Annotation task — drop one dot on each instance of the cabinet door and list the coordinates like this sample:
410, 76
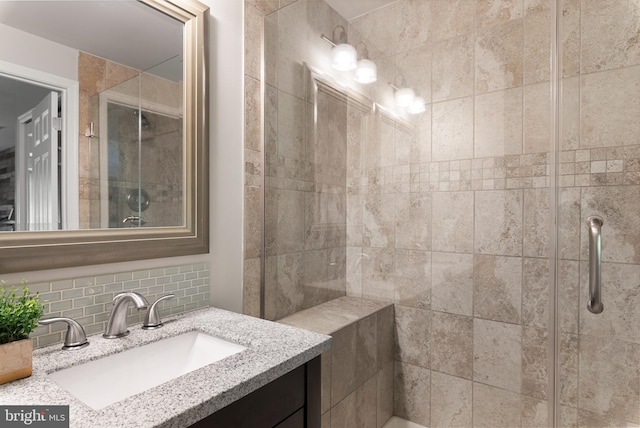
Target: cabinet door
294, 421
265, 407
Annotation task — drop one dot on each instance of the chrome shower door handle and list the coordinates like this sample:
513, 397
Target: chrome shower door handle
595, 264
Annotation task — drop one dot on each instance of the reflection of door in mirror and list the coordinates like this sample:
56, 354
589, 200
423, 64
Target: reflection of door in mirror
40, 167
29, 156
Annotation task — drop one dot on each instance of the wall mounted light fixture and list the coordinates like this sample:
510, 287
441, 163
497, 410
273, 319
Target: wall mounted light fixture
404, 95
406, 98
417, 106
343, 56
367, 72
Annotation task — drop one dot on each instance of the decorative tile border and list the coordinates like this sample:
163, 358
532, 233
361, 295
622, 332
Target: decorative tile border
505, 172
614, 166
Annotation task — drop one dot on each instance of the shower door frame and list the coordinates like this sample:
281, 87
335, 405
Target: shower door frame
594, 334
554, 190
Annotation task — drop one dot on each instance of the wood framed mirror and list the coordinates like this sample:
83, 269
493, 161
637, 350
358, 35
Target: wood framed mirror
70, 227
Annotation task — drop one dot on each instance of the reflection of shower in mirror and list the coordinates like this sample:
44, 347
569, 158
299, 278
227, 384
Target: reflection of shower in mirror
141, 162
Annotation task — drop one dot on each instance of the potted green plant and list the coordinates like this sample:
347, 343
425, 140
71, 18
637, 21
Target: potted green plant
19, 314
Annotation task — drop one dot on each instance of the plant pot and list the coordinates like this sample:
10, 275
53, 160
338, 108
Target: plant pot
15, 360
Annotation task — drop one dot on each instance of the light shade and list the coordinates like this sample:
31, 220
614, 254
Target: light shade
417, 106
405, 97
367, 72
344, 57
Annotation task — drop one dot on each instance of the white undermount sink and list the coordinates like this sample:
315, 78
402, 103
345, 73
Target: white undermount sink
108, 380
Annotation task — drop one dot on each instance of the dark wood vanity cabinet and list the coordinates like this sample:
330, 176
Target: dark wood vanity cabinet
291, 401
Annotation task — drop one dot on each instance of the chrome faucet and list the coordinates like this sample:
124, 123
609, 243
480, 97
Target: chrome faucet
117, 323
75, 338
152, 319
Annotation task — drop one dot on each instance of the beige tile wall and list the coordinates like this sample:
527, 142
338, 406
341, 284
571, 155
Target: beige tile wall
357, 373
253, 154
305, 167
414, 199
447, 234
451, 221
600, 353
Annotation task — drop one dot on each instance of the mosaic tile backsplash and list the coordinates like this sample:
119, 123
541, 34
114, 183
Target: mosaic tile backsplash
88, 299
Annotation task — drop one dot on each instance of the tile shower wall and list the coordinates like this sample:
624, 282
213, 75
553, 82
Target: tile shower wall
414, 194
451, 223
599, 175
253, 154
305, 167
357, 372
448, 215
88, 300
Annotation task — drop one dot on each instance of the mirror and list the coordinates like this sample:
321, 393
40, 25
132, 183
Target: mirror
103, 132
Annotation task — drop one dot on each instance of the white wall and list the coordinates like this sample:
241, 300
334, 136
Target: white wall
227, 154
26, 50
34, 52
226, 162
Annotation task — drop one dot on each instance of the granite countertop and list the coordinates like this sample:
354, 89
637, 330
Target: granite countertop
273, 350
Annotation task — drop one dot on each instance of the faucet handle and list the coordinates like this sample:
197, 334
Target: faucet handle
75, 338
152, 320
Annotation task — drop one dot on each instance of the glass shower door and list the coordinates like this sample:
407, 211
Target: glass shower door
598, 382
138, 172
